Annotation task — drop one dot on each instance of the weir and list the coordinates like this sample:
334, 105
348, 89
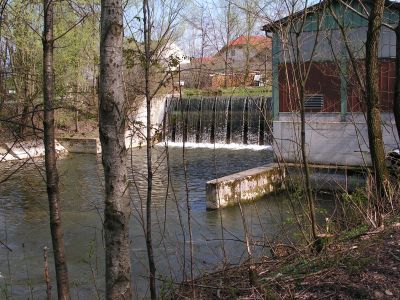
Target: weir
222, 120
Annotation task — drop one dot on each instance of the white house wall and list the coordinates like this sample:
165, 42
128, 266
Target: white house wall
328, 140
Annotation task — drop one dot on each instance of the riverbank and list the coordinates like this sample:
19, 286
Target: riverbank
361, 264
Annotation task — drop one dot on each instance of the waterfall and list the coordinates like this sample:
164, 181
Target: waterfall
222, 120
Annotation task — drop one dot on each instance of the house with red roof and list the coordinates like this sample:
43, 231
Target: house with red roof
244, 61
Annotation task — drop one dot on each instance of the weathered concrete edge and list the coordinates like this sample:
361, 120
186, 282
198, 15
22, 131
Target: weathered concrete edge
81, 145
245, 186
25, 150
93, 145
329, 178
5, 155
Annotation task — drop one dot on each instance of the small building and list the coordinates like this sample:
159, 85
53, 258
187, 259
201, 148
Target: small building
319, 40
236, 64
246, 53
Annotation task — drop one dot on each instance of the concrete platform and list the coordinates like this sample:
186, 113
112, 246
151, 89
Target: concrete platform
244, 186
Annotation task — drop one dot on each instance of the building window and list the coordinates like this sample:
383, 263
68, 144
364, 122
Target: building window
314, 102
233, 52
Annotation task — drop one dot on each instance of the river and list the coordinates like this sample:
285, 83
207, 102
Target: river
24, 220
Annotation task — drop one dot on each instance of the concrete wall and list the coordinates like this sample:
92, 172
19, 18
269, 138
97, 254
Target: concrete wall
81, 145
330, 141
136, 134
25, 150
5, 154
244, 186
328, 178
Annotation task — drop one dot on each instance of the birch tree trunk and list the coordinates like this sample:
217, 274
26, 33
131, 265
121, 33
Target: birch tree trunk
372, 99
50, 155
112, 125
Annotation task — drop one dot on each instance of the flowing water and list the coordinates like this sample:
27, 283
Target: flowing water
224, 120
24, 220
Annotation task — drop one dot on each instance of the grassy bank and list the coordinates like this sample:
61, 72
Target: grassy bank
358, 264
233, 91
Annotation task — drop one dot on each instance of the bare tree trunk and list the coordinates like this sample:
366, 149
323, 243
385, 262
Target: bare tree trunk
247, 49
372, 100
25, 110
76, 109
306, 168
50, 155
112, 125
396, 98
228, 37
303, 74
3, 57
203, 38
149, 242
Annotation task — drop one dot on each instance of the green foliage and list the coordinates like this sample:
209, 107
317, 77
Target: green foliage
356, 265
303, 266
75, 54
354, 232
234, 91
359, 197
233, 291
166, 289
355, 207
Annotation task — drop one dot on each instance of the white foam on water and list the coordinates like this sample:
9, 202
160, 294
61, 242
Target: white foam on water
217, 146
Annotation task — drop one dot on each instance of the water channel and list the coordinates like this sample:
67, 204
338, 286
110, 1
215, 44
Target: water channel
24, 219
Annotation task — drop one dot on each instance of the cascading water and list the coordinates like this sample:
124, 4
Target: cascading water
220, 120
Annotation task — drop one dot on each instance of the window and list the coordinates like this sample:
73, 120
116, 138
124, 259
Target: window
314, 102
233, 52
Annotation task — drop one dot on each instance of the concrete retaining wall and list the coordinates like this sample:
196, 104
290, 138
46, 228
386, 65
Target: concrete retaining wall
81, 145
330, 141
244, 186
25, 150
328, 178
136, 136
5, 154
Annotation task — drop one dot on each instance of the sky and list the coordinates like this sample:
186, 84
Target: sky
201, 24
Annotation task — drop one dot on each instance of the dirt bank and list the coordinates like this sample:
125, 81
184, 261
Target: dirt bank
362, 265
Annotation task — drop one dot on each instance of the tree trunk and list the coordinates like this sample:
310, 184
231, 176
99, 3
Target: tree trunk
50, 155
306, 169
228, 36
372, 100
149, 241
24, 116
396, 98
112, 118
